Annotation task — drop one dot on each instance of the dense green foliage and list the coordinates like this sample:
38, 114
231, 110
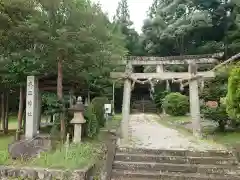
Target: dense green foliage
217, 114
217, 87
37, 34
124, 24
191, 27
176, 104
92, 123
233, 95
159, 99
98, 106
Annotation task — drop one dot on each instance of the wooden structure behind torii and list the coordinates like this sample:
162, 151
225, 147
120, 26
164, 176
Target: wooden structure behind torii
192, 76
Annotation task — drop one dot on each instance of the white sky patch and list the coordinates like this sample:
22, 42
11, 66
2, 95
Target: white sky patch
138, 10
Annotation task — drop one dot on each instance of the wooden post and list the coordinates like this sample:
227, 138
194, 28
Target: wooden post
113, 98
194, 101
6, 113
3, 109
71, 102
126, 106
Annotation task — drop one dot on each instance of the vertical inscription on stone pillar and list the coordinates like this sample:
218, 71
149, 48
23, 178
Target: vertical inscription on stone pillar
31, 108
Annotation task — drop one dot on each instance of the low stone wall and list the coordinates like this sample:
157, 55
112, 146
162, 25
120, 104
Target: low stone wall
27, 173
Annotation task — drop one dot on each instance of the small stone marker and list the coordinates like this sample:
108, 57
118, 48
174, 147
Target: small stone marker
78, 120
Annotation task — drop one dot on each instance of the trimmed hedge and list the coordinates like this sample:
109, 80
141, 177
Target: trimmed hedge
176, 104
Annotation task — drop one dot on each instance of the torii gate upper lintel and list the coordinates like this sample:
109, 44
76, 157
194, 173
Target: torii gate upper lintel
191, 76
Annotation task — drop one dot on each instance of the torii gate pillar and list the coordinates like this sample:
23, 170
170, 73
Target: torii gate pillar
126, 107
194, 101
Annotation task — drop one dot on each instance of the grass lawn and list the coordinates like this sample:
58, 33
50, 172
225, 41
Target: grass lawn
226, 138
114, 123
74, 157
175, 123
176, 119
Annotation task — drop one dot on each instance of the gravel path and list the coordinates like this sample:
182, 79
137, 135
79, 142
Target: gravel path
146, 132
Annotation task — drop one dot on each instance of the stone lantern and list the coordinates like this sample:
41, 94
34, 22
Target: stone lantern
78, 119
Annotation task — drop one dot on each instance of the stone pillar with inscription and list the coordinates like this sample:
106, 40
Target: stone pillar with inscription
126, 106
31, 107
194, 101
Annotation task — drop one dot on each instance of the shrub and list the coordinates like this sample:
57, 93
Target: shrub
159, 98
217, 114
98, 105
176, 104
91, 127
233, 95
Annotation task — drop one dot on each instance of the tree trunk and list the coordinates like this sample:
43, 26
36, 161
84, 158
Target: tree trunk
6, 113
3, 109
221, 126
60, 95
20, 108
23, 125
51, 118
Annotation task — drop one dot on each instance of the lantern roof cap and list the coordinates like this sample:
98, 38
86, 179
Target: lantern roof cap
78, 107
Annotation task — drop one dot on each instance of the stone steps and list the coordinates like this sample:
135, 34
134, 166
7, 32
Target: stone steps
143, 175
142, 164
174, 159
146, 106
170, 167
165, 152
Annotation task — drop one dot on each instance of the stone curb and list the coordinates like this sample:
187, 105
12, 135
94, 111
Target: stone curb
28, 173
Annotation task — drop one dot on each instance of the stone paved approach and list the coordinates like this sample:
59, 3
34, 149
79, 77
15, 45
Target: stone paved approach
146, 132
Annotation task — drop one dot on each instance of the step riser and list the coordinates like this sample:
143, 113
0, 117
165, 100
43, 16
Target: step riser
119, 176
173, 168
176, 153
174, 160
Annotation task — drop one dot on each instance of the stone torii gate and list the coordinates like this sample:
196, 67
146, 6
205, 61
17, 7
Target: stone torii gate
192, 76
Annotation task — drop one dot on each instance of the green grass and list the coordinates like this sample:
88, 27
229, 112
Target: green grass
4, 141
174, 122
227, 138
177, 119
73, 157
114, 123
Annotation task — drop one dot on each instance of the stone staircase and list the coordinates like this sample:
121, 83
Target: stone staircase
144, 106
142, 164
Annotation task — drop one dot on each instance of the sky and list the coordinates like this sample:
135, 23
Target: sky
138, 9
